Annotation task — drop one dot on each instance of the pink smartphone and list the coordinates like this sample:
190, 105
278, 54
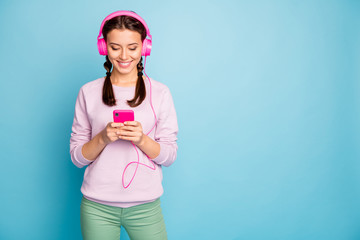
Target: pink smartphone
123, 115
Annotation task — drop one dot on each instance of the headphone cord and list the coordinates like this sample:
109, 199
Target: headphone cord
138, 161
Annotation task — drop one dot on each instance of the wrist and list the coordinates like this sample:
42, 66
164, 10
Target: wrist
142, 141
101, 140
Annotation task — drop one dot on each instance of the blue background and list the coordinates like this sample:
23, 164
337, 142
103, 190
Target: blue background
267, 97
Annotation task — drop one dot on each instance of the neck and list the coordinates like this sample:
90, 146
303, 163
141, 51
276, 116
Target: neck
121, 79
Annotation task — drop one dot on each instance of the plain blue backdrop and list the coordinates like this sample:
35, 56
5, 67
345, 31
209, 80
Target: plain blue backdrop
267, 97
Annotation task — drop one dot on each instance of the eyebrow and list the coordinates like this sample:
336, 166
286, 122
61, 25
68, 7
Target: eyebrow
128, 44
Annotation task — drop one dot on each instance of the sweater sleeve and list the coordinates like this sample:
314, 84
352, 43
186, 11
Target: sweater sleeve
81, 132
166, 131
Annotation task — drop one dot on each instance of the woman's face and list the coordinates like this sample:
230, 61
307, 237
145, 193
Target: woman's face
124, 50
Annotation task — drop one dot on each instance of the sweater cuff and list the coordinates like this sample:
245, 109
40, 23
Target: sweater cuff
79, 158
163, 156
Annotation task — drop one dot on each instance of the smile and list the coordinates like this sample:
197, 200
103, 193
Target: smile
124, 64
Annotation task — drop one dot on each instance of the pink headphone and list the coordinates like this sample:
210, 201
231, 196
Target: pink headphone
147, 43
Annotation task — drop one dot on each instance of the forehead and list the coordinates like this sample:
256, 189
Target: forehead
124, 36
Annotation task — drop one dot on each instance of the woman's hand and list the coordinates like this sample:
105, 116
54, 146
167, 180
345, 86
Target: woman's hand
109, 134
131, 131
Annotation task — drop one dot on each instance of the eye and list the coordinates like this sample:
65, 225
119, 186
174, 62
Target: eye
114, 48
132, 49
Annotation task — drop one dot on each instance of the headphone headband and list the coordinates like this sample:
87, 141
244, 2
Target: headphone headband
125, 13
146, 44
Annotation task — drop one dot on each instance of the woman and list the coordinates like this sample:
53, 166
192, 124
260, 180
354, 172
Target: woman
122, 182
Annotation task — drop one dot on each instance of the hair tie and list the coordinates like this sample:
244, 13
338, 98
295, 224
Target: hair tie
140, 74
108, 74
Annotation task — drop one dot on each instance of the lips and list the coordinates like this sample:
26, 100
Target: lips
124, 64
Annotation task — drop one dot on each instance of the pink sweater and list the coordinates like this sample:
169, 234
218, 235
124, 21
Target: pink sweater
102, 181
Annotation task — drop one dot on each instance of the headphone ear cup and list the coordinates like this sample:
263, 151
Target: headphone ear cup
146, 48
102, 46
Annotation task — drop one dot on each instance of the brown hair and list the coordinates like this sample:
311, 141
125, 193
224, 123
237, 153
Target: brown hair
130, 23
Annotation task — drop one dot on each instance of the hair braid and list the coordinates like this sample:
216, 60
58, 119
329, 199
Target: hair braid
108, 93
140, 67
140, 90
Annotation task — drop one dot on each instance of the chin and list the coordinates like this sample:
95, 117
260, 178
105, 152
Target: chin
123, 72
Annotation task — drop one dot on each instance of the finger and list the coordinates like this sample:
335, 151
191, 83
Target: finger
128, 133
116, 124
129, 128
112, 134
132, 123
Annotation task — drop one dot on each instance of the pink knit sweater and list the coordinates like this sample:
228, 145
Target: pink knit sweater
103, 177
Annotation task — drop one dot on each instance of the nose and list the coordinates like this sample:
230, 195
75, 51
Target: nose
123, 54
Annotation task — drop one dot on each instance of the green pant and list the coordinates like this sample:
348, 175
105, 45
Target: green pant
103, 222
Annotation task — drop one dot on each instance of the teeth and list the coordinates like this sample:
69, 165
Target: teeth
124, 63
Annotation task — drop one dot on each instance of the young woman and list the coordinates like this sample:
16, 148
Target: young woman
123, 180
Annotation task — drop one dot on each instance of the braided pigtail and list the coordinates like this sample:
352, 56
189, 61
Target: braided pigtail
108, 93
140, 90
